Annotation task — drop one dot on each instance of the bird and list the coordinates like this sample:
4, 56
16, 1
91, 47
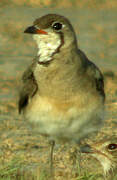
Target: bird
62, 92
105, 151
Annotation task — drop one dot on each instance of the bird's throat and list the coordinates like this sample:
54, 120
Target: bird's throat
47, 46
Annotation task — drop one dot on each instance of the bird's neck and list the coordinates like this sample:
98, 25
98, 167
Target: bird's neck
53, 46
59, 79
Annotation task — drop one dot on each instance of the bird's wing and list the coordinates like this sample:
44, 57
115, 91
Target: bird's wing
99, 80
29, 87
95, 72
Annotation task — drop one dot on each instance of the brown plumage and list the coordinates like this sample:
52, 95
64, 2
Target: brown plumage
63, 92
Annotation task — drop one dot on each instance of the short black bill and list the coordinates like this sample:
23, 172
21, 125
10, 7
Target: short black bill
31, 30
34, 30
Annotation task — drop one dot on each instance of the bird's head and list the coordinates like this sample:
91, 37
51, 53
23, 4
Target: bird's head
105, 152
52, 32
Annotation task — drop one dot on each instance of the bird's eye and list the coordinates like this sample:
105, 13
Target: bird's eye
57, 26
112, 146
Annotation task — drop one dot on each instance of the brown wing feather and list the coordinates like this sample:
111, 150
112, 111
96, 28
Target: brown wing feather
29, 87
97, 75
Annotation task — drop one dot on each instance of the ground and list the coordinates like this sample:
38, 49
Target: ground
24, 154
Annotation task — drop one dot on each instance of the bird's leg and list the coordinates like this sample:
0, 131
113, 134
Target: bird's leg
52, 144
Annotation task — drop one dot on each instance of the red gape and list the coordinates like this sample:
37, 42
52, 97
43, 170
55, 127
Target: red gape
39, 31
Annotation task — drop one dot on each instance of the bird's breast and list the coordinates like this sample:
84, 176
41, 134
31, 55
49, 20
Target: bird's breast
47, 109
61, 119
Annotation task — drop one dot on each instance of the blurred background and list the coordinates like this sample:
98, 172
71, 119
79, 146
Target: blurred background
95, 23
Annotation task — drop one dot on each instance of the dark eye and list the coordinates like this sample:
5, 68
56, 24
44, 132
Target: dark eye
57, 26
112, 146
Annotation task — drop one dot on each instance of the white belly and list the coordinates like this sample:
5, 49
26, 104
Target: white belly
62, 121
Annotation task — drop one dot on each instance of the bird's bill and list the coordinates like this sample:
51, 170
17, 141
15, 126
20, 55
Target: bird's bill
86, 149
34, 30
89, 150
